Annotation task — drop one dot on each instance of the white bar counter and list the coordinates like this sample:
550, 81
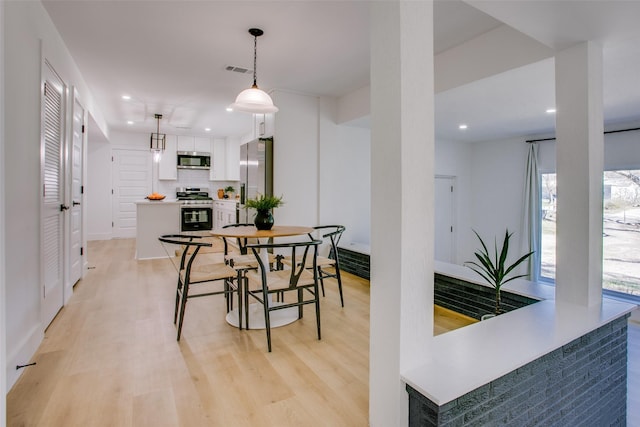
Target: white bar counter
153, 219
467, 358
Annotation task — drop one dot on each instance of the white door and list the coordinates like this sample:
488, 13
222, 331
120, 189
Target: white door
444, 218
131, 182
53, 207
76, 252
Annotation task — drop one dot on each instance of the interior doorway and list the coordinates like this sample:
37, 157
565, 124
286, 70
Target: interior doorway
53, 200
445, 219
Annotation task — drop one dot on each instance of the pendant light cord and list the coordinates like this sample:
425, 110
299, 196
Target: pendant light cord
255, 55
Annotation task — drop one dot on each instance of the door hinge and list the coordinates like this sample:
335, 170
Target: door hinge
111, 224
452, 228
452, 188
82, 128
112, 158
82, 189
81, 251
112, 191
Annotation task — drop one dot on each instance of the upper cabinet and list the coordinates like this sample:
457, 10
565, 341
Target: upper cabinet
225, 160
264, 125
167, 166
194, 143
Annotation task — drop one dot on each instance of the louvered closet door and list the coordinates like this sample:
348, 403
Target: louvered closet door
53, 196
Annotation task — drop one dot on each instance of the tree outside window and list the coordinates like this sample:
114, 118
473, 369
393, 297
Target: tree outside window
621, 230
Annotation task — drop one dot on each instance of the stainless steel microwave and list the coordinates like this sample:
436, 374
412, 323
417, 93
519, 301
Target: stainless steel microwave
193, 160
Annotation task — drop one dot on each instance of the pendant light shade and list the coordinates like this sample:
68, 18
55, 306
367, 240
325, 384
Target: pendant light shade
254, 100
158, 140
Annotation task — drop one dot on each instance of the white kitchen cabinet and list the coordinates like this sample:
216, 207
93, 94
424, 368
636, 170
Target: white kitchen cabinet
232, 159
194, 143
224, 213
218, 161
264, 125
225, 160
167, 166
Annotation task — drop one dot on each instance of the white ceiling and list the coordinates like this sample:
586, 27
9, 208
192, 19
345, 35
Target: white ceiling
170, 56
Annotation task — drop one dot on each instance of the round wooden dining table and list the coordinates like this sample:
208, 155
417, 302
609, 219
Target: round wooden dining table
256, 314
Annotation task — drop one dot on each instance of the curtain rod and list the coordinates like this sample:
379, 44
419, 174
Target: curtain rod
609, 131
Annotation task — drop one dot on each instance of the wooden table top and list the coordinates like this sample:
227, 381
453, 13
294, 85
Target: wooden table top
252, 232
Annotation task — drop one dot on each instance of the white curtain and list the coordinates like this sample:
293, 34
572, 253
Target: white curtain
532, 210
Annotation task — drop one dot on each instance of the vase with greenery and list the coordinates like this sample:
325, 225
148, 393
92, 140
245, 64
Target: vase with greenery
264, 204
228, 191
494, 270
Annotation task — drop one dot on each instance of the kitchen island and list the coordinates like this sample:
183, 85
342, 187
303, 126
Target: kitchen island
556, 363
153, 219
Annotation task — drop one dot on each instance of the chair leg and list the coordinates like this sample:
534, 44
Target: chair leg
175, 313
246, 303
267, 322
300, 297
320, 276
339, 284
239, 291
185, 292
317, 303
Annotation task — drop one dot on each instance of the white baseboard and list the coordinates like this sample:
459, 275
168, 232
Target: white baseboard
99, 236
23, 354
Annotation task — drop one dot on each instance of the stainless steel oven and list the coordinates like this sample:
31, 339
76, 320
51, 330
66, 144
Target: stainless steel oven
196, 217
196, 212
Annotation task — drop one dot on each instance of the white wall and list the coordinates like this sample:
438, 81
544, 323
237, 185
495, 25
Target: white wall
490, 178
98, 191
3, 341
295, 158
453, 159
345, 176
28, 35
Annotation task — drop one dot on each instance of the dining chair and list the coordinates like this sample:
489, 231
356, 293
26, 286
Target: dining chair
241, 259
328, 257
261, 284
192, 273
328, 263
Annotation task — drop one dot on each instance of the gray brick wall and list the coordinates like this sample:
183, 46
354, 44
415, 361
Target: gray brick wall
471, 299
583, 383
354, 262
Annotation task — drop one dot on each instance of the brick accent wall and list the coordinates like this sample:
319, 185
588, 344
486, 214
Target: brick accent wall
581, 383
471, 299
354, 262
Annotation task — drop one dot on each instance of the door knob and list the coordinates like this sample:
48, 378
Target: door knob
76, 203
63, 207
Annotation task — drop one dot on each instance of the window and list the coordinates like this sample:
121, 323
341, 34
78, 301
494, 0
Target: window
621, 230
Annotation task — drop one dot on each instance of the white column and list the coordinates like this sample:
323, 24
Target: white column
3, 299
579, 166
402, 213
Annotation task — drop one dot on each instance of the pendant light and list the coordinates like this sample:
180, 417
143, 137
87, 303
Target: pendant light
158, 140
254, 100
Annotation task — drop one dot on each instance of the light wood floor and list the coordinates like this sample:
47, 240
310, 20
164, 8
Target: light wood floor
110, 358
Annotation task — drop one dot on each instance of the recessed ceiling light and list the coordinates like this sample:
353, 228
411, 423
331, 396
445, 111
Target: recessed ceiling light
126, 97
551, 110
462, 127
229, 109
129, 122
207, 129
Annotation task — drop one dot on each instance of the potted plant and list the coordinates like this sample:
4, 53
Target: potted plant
263, 204
228, 191
495, 271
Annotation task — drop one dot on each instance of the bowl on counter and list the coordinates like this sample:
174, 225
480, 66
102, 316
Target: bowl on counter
155, 197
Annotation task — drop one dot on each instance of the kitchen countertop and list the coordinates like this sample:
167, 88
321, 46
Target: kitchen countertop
158, 202
467, 358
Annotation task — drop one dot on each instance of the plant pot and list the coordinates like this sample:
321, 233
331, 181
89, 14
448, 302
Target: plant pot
263, 220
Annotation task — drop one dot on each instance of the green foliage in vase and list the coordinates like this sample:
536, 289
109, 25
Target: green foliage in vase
230, 189
263, 202
495, 271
